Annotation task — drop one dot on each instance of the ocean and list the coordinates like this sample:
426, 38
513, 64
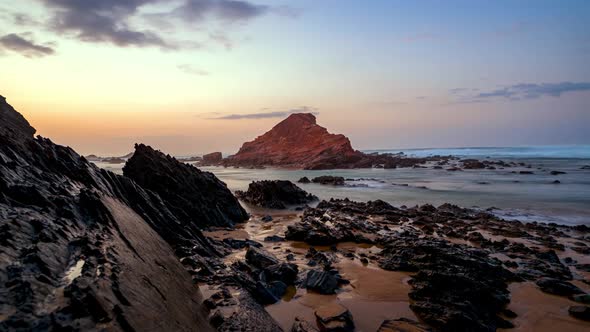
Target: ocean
526, 197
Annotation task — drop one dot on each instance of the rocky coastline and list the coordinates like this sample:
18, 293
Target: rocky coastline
166, 246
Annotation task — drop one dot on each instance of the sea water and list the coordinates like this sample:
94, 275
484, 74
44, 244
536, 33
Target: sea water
526, 197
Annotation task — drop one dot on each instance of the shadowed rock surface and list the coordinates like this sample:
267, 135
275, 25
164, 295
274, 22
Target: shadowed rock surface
84, 249
277, 194
77, 248
198, 198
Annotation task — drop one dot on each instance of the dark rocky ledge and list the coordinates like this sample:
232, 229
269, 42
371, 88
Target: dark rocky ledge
277, 194
85, 249
198, 198
457, 286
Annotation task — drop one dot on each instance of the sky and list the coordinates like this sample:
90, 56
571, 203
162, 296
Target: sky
195, 76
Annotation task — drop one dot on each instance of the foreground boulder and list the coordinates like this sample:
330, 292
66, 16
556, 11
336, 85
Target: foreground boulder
275, 194
198, 198
81, 246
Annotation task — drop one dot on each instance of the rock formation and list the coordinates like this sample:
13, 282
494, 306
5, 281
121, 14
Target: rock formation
299, 142
212, 158
84, 249
198, 198
277, 194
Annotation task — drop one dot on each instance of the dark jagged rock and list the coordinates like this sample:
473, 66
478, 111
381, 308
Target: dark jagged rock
275, 194
77, 244
250, 316
260, 258
457, 288
198, 198
328, 179
321, 281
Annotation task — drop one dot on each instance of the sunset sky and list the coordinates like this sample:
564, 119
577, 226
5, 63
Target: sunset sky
195, 76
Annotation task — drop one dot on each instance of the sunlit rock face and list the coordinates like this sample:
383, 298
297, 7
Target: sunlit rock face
297, 142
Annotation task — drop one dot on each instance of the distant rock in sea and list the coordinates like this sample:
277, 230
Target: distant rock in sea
299, 142
212, 158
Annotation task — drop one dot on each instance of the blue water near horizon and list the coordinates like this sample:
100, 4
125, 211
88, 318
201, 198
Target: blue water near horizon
516, 152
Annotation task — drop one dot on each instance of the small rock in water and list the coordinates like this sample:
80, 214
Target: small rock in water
334, 317
304, 179
321, 282
274, 238
266, 218
328, 179
556, 182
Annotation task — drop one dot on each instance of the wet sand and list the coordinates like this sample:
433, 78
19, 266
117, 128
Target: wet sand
375, 295
541, 312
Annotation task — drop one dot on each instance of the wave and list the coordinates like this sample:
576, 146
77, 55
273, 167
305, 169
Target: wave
546, 151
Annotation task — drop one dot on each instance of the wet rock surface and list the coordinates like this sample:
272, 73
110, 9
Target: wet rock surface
277, 194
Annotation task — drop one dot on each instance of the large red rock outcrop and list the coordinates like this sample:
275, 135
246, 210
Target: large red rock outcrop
297, 142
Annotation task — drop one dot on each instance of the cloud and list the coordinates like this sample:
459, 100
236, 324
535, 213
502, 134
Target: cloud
103, 21
521, 91
139, 23
533, 90
268, 115
228, 10
26, 47
189, 69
